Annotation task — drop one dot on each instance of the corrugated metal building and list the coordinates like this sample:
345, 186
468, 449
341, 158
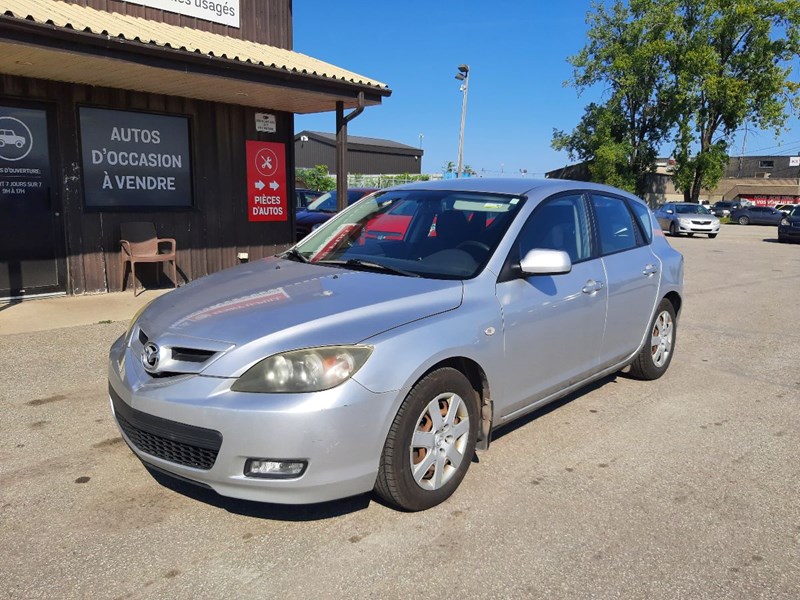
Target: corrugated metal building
115, 111
366, 156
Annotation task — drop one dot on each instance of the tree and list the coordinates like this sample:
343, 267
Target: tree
691, 72
730, 64
619, 138
449, 167
317, 178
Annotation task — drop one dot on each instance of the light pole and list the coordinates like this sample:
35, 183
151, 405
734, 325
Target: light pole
462, 75
420, 140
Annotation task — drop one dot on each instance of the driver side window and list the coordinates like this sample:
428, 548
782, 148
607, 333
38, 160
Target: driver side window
559, 223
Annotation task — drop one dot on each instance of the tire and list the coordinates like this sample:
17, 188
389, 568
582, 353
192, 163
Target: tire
744, 220
418, 437
673, 231
690, 234
711, 236
651, 364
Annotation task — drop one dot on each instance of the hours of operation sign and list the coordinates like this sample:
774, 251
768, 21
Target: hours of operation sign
266, 182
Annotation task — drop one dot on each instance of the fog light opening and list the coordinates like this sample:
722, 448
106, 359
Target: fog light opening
271, 468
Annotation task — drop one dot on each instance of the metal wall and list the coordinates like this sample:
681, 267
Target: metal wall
756, 166
262, 21
209, 234
373, 161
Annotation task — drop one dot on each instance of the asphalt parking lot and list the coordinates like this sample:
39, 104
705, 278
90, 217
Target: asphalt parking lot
687, 487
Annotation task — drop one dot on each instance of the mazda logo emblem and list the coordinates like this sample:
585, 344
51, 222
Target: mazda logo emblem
150, 356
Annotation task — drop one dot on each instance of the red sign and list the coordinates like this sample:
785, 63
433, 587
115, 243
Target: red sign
266, 182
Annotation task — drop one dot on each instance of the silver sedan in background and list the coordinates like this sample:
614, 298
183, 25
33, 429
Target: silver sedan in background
688, 218
359, 361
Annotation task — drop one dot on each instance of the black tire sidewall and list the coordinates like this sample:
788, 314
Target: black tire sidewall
411, 495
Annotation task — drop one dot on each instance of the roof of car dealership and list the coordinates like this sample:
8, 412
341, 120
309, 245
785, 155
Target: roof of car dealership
128, 52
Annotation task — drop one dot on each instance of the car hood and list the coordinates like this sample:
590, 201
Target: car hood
274, 305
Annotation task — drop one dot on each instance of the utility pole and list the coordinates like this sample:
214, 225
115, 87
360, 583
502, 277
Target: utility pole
462, 75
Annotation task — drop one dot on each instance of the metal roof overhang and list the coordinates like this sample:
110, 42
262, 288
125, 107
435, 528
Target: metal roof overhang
44, 51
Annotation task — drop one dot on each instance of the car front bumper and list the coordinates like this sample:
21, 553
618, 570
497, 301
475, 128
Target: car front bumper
789, 232
339, 433
697, 227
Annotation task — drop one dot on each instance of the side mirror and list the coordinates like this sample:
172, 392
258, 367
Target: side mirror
669, 211
545, 262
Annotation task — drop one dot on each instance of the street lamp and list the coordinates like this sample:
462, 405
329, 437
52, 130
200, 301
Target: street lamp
420, 140
462, 75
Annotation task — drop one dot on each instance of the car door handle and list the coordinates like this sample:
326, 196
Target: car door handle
650, 270
592, 287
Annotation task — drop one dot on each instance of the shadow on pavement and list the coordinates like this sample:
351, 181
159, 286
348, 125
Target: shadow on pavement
8, 305
504, 430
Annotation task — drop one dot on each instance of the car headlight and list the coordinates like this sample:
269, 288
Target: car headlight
785, 222
133, 320
684, 221
310, 370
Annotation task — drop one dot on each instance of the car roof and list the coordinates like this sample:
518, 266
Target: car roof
508, 185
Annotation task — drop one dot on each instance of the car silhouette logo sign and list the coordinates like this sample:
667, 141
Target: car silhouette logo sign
16, 139
150, 356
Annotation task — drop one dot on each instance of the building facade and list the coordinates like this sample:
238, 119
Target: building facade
366, 156
114, 112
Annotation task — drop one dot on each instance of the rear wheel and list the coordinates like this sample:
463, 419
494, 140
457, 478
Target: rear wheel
690, 234
654, 358
711, 236
744, 220
430, 443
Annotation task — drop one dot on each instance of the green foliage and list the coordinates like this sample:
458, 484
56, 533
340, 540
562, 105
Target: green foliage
449, 167
687, 71
317, 178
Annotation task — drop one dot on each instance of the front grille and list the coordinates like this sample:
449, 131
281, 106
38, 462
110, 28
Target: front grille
702, 222
175, 442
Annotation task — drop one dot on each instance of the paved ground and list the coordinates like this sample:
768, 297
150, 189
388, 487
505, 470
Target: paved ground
688, 487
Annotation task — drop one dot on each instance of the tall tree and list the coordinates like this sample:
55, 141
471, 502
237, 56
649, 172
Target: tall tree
730, 61
619, 138
690, 71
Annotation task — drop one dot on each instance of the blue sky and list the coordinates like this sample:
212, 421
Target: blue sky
516, 51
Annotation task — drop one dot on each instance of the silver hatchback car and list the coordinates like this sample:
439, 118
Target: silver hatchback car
383, 349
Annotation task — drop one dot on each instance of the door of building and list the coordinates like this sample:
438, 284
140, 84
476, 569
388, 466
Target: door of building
31, 231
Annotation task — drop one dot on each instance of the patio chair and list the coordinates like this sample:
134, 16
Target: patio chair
139, 244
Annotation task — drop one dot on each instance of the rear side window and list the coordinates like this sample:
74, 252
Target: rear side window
615, 226
643, 214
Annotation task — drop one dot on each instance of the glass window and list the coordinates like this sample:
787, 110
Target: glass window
643, 214
437, 234
558, 224
615, 226
766, 164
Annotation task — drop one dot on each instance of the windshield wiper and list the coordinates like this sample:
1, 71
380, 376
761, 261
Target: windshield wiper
357, 263
295, 254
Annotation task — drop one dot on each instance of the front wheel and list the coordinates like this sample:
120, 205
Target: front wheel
744, 221
430, 443
673, 231
654, 358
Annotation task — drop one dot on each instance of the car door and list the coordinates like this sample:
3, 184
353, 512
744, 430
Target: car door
552, 324
632, 273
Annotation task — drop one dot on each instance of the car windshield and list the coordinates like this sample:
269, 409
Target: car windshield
325, 203
795, 211
691, 209
435, 234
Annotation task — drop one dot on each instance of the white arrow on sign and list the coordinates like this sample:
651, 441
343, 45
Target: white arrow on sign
260, 185
274, 185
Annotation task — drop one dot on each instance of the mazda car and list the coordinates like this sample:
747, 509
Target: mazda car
356, 363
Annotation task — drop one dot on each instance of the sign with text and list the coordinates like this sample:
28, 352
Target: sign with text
133, 159
266, 182
24, 156
265, 123
216, 11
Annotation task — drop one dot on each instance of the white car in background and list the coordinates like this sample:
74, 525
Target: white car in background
688, 218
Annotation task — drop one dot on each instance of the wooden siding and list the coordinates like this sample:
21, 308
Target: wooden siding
263, 21
210, 234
